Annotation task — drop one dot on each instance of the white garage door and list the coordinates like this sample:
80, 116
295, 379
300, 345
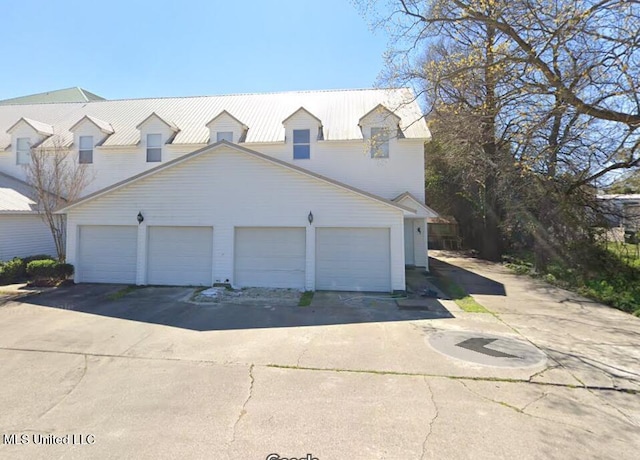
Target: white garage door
353, 259
270, 257
107, 254
180, 256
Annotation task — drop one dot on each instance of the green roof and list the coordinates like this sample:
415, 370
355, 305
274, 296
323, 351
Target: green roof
75, 94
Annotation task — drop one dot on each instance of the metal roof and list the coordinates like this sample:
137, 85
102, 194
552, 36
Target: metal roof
338, 110
16, 196
74, 94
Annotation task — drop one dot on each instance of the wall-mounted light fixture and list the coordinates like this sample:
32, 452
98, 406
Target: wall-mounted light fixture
419, 231
310, 217
140, 218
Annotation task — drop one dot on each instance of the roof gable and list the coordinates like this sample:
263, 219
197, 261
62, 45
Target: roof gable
41, 128
302, 110
241, 150
74, 94
222, 114
410, 201
173, 127
379, 110
103, 126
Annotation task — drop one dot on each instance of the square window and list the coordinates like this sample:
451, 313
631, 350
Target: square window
301, 144
224, 136
154, 148
23, 151
85, 149
301, 136
301, 152
379, 143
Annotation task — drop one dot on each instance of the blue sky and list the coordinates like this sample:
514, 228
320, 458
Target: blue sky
140, 48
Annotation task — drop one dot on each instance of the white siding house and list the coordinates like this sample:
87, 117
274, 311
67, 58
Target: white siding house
229, 202
22, 232
308, 190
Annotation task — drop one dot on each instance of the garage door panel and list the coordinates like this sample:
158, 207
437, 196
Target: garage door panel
353, 259
270, 257
180, 256
107, 254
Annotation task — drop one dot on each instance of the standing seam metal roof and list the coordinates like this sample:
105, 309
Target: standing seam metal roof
339, 111
16, 196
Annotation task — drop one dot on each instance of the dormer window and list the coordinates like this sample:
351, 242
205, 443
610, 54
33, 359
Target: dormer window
379, 143
23, 151
224, 136
85, 149
226, 127
301, 144
154, 148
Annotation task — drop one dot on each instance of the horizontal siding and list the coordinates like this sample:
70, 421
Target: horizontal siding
227, 189
24, 235
347, 162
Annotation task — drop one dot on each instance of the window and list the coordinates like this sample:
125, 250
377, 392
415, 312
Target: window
379, 143
85, 150
23, 151
225, 136
154, 148
301, 144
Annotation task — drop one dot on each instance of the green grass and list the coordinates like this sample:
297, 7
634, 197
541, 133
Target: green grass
609, 274
121, 293
460, 296
305, 299
629, 254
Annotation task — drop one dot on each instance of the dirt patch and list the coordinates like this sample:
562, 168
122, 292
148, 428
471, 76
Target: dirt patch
262, 296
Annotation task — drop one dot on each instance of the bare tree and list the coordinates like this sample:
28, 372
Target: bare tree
57, 178
537, 99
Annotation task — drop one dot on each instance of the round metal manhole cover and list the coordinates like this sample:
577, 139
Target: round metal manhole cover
487, 349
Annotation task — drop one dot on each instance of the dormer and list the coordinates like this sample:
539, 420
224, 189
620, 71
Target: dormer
89, 132
302, 131
155, 133
225, 126
380, 128
25, 135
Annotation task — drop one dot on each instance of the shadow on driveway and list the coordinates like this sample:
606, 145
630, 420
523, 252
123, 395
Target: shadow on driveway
471, 282
168, 306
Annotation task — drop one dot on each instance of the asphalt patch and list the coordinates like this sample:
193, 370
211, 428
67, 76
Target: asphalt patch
487, 349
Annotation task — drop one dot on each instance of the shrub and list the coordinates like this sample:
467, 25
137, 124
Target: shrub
41, 269
49, 269
12, 271
36, 257
65, 271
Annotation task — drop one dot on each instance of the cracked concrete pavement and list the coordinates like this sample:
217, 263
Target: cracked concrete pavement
151, 377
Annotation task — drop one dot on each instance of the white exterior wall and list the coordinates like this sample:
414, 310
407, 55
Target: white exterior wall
345, 161
23, 235
227, 189
348, 162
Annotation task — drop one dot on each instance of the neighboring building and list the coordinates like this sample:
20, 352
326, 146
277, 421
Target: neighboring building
444, 233
22, 231
308, 190
622, 210
75, 94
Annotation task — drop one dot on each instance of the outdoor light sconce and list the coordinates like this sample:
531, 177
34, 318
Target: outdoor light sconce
140, 218
310, 217
419, 231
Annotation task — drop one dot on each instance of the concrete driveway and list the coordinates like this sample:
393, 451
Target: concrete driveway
149, 375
